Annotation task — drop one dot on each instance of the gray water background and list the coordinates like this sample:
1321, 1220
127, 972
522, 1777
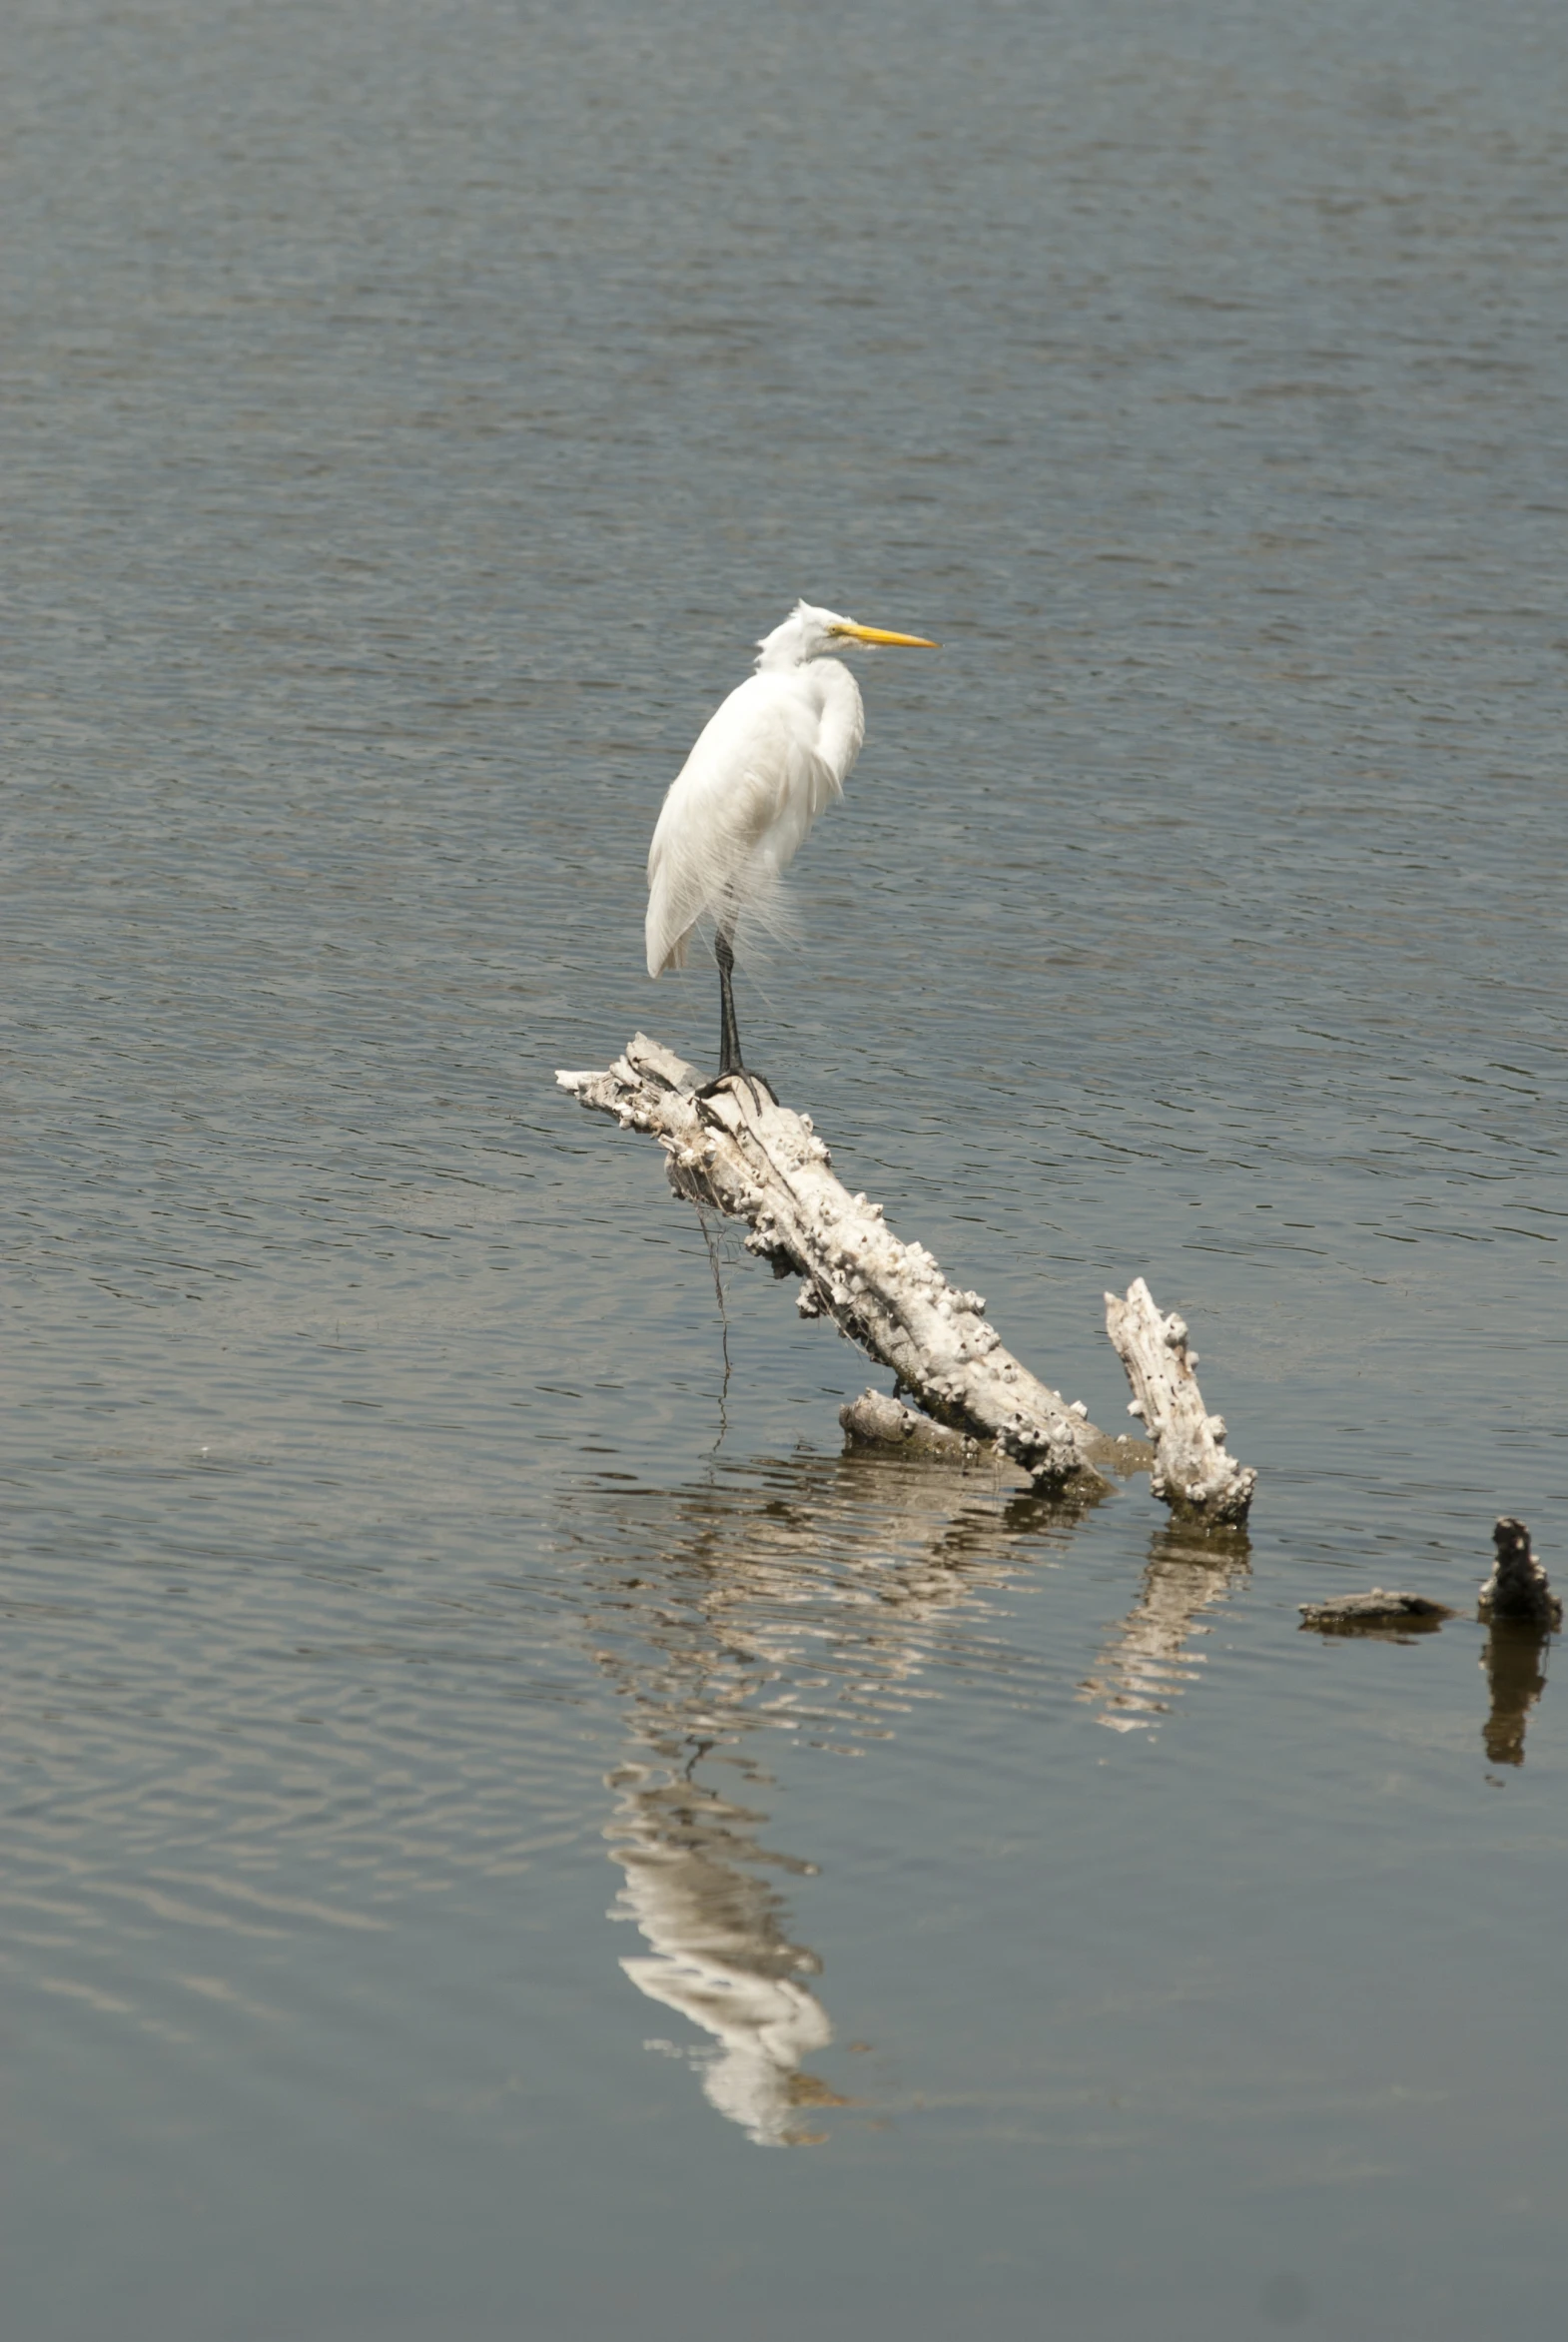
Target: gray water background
411, 417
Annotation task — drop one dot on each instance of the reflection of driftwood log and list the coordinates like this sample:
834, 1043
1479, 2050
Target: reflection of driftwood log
830, 1604
1380, 1612
1192, 1470
756, 1160
1519, 1587
1149, 1659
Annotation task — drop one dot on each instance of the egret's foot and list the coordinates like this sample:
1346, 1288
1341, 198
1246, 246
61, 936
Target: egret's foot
758, 1085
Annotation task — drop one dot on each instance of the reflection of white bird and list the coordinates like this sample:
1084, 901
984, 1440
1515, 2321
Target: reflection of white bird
766, 763
720, 1952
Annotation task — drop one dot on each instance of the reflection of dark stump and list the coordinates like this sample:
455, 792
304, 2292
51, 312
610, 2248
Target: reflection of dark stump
1518, 1586
1518, 1603
1512, 1660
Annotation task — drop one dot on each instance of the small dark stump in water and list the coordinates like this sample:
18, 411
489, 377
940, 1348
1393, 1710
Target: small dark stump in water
1380, 1612
1519, 1587
1518, 1604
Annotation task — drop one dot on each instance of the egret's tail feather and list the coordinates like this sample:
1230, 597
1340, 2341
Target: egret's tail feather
675, 957
748, 903
765, 908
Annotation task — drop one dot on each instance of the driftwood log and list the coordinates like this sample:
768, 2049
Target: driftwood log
887, 1425
1192, 1470
740, 1153
875, 1420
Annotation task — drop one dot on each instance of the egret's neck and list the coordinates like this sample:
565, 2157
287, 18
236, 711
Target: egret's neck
776, 658
841, 717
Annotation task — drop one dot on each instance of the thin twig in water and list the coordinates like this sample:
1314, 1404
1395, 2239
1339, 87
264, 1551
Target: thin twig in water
712, 1242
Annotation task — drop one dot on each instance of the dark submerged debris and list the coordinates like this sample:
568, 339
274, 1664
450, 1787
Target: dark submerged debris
1375, 1612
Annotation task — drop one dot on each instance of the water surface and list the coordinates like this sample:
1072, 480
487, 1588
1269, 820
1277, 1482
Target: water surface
477, 1785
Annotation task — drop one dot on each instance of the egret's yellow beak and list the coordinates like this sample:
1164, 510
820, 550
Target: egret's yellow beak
880, 634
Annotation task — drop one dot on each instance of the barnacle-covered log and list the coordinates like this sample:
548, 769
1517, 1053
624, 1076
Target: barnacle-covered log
1192, 1470
876, 1420
742, 1153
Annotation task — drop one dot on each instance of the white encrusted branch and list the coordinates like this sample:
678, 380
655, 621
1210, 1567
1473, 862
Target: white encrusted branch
760, 1162
1192, 1470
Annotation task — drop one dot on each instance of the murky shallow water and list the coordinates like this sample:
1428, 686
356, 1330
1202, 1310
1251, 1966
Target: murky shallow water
411, 415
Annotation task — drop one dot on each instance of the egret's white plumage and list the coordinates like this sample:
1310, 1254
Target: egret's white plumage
767, 762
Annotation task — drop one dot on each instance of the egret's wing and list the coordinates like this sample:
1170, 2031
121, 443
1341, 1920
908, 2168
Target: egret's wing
736, 814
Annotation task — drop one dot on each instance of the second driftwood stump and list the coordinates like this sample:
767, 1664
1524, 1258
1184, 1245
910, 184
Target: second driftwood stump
1191, 1471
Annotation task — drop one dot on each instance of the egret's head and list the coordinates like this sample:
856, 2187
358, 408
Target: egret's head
809, 633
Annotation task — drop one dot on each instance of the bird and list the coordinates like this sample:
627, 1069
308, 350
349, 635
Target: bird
768, 761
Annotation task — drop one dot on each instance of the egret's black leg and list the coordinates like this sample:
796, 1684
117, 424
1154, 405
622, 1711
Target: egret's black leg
729, 1032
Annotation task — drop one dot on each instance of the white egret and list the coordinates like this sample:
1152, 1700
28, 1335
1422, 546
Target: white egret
766, 763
